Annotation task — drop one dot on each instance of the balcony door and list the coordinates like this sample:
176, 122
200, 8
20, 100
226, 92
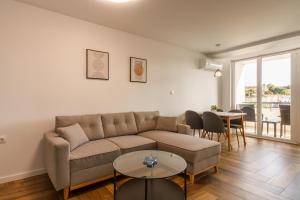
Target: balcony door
245, 97
262, 89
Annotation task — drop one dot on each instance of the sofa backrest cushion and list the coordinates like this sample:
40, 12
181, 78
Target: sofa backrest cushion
116, 124
167, 124
146, 121
91, 124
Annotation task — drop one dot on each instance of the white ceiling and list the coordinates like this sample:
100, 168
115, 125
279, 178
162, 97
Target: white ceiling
193, 24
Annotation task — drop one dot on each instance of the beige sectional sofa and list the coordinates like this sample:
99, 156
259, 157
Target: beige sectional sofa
110, 135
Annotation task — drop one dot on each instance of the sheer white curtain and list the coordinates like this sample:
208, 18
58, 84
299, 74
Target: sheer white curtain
295, 87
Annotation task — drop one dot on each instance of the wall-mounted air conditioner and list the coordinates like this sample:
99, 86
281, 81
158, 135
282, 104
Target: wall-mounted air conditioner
210, 64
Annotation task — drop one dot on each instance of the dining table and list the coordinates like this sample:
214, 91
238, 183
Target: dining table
228, 117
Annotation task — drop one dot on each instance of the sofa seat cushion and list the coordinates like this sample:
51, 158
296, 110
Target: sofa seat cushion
131, 143
92, 154
192, 149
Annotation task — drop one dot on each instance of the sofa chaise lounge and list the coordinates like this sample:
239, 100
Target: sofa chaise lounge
110, 135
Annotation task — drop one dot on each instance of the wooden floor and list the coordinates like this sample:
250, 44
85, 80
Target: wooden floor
262, 170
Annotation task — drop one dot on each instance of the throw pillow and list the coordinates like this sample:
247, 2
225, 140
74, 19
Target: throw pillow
167, 124
74, 134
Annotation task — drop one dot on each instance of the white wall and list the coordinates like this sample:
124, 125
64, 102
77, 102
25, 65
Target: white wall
42, 74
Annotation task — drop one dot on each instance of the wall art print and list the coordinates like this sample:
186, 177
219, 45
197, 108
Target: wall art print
97, 64
138, 70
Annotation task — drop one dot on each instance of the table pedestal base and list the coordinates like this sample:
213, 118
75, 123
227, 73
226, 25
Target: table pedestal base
157, 189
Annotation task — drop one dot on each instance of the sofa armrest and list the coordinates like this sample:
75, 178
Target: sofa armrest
56, 160
184, 129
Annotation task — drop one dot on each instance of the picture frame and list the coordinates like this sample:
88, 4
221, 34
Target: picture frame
97, 64
138, 70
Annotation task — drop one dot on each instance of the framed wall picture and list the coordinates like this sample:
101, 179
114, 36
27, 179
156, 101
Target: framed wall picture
138, 70
97, 64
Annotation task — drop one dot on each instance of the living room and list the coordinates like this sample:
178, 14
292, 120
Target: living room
134, 68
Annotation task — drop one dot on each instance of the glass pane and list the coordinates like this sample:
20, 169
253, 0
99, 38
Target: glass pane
276, 96
245, 92
133, 164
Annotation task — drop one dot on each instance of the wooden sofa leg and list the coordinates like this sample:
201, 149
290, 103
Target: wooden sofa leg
216, 169
192, 178
66, 193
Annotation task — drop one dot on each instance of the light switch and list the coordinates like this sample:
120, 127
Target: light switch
3, 139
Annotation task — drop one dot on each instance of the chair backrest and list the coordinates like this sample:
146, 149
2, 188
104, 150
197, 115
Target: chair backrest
213, 123
250, 111
193, 119
285, 114
236, 121
240, 106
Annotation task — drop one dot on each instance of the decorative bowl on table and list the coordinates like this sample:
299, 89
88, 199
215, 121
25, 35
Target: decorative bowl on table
150, 161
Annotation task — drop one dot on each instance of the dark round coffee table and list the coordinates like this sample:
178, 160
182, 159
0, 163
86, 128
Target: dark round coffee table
150, 183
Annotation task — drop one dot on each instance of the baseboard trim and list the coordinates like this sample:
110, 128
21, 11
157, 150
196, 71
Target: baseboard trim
272, 139
22, 175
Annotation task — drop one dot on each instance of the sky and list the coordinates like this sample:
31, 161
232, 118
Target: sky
276, 71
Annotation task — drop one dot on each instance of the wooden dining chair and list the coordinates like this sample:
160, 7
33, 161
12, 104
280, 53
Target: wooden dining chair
237, 125
194, 120
285, 115
251, 116
212, 123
